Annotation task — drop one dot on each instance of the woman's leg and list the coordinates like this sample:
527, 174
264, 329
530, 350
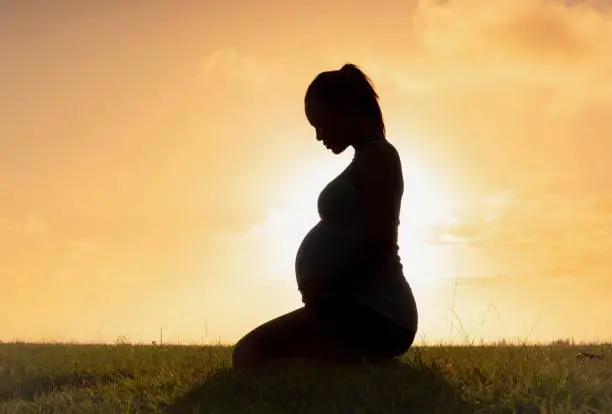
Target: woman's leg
374, 336
300, 334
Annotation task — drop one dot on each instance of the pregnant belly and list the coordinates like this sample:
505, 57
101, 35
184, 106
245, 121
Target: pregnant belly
326, 251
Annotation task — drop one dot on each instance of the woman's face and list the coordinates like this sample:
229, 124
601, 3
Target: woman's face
331, 126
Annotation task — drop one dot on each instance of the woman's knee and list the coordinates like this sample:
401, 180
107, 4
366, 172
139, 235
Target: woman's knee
245, 353
251, 349
280, 338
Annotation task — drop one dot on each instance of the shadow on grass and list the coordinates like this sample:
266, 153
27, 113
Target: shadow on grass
315, 388
37, 386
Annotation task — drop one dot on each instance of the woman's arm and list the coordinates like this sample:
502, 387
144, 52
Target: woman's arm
380, 181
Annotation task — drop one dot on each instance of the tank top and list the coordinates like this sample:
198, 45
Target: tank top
328, 250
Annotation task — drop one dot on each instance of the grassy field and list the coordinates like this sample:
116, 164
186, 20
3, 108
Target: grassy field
48, 378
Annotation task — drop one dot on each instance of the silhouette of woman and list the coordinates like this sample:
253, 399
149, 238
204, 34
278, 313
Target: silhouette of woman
358, 305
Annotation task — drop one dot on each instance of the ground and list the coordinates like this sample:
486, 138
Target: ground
64, 378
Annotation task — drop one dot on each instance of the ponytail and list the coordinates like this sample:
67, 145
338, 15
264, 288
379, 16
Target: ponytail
348, 83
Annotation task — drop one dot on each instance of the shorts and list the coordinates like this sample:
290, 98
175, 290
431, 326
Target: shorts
362, 328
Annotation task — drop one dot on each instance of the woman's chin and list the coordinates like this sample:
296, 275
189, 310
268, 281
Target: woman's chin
337, 150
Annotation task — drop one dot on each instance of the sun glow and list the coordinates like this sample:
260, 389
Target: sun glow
427, 203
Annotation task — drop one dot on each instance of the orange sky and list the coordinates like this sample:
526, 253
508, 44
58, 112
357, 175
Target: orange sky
157, 170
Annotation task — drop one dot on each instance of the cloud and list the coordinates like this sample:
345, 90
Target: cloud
34, 224
542, 35
520, 220
600, 206
460, 233
273, 223
555, 47
31, 224
277, 225
236, 65
500, 199
486, 221
75, 249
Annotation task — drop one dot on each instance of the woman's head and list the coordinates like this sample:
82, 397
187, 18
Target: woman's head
342, 106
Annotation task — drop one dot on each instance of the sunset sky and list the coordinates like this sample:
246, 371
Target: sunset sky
157, 170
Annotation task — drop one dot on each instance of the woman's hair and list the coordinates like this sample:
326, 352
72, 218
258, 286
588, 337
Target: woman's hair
347, 84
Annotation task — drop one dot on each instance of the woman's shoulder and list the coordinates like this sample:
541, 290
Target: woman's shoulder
379, 154
379, 164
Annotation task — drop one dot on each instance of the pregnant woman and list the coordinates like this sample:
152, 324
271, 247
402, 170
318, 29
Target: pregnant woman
358, 305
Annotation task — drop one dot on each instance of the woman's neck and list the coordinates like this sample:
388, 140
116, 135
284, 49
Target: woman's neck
366, 137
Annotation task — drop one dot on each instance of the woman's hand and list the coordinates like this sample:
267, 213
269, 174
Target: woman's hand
319, 290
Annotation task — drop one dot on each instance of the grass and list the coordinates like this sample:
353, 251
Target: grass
64, 378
